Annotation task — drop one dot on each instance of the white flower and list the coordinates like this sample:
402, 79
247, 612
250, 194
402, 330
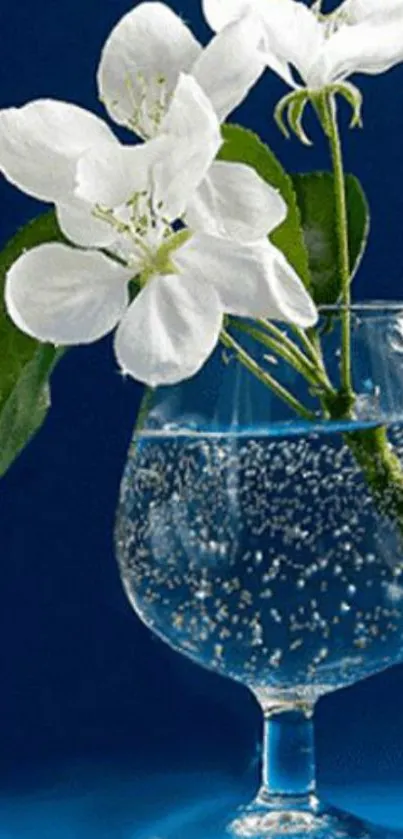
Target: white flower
361, 36
141, 63
149, 48
132, 196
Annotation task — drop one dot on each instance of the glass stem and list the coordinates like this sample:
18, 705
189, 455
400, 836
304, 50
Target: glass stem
286, 804
288, 756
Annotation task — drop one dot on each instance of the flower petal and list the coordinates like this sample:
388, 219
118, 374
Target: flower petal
290, 297
141, 63
234, 202
364, 48
371, 11
40, 143
251, 280
190, 112
170, 330
222, 13
77, 222
231, 64
281, 67
110, 176
219, 13
66, 296
193, 129
294, 36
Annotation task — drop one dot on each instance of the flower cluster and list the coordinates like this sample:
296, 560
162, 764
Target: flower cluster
164, 239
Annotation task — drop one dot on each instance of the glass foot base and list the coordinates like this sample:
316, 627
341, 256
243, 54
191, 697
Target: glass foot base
261, 820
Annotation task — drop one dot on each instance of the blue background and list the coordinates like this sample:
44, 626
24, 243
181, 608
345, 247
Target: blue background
103, 729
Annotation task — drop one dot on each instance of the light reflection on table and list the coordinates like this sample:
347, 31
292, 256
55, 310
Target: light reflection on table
105, 804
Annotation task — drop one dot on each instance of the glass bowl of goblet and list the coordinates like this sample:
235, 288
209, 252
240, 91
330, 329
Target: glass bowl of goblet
269, 548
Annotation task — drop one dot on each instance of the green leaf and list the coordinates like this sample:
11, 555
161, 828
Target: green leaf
242, 146
315, 194
25, 364
26, 408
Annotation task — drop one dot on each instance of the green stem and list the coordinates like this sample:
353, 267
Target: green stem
311, 342
331, 128
370, 447
250, 364
381, 468
312, 349
286, 349
280, 336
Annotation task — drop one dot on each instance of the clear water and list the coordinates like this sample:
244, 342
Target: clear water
263, 557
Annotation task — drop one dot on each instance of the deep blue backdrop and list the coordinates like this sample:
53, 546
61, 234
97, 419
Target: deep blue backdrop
82, 682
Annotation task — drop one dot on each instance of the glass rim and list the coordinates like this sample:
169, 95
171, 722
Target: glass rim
363, 307
372, 312
278, 429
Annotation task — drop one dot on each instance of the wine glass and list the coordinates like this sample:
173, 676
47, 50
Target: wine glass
265, 548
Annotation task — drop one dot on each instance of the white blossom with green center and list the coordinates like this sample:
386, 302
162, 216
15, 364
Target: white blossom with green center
165, 289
